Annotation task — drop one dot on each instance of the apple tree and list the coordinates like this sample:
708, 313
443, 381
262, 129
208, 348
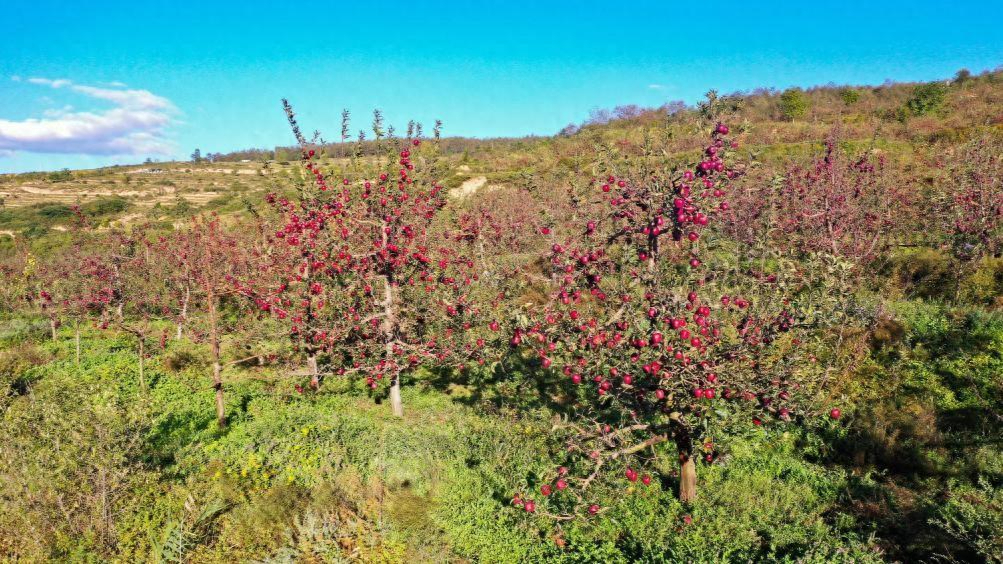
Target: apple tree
663, 340
363, 276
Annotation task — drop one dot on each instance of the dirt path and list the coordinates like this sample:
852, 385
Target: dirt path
127, 218
50, 192
228, 170
469, 187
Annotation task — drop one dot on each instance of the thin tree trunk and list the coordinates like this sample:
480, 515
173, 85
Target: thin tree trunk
184, 312
217, 384
389, 322
142, 355
959, 280
118, 294
311, 363
687, 479
652, 252
687, 466
217, 368
480, 256
311, 349
395, 397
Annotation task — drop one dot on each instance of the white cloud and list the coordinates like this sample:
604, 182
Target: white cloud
656, 86
58, 112
15, 78
59, 83
134, 126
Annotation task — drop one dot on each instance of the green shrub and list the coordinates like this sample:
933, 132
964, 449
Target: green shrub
15, 331
15, 368
849, 96
925, 273
183, 354
985, 284
926, 98
105, 206
793, 104
68, 461
52, 211
60, 175
762, 502
973, 518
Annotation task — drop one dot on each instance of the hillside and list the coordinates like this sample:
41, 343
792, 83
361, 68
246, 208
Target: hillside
765, 328
867, 117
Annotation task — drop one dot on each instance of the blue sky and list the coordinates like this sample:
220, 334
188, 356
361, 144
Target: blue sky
126, 80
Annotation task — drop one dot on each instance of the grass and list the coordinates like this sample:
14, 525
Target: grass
338, 468
108, 471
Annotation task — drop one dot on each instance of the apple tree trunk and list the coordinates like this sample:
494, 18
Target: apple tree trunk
687, 479
395, 397
687, 466
217, 367
76, 339
389, 329
217, 384
184, 314
142, 361
311, 364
